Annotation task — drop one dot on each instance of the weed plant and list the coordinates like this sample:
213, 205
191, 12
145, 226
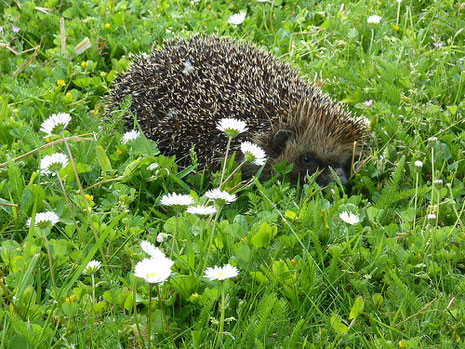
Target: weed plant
377, 264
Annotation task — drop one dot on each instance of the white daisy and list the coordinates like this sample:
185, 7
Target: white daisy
154, 270
130, 136
148, 248
92, 267
438, 183
237, 18
349, 217
418, 164
232, 127
432, 216
44, 219
375, 19
221, 273
161, 237
55, 124
253, 153
201, 210
219, 195
52, 164
174, 199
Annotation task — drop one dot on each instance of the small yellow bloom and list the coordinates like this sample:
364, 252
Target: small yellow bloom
83, 64
402, 344
405, 98
89, 197
70, 299
16, 110
119, 151
107, 26
244, 239
103, 74
68, 95
396, 28
61, 83
48, 139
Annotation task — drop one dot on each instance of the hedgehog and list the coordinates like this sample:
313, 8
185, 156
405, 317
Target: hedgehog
182, 90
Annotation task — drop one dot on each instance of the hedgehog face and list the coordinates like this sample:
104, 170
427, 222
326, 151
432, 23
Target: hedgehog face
311, 156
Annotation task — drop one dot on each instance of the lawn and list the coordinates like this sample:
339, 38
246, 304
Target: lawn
378, 263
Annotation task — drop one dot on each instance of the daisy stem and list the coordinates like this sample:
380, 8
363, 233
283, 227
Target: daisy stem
210, 242
164, 316
232, 173
225, 160
416, 197
149, 329
68, 203
52, 274
141, 339
174, 234
371, 41
93, 288
84, 200
222, 308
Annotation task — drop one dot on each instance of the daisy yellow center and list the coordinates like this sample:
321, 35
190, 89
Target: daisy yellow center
151, 275
221, 273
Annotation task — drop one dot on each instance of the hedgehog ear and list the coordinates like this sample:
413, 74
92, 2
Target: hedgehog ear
280, 138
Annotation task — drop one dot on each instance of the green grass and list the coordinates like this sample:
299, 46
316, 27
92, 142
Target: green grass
306, 278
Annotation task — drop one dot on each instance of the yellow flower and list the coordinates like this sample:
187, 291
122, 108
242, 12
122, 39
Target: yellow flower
48, 139
402, 344
61, 83
396, 28
89, 197
68, 95
83, 64
16, 110
107, 26
70, 299
119, 151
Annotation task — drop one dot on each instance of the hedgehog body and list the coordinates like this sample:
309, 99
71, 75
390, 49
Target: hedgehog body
180, 92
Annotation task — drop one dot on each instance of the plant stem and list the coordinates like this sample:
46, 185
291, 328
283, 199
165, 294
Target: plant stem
225, 160
164, 316
232, 173
141, 339
51, 265
211, 241
371, 41
222, 309
84, 200
149, 330
68, 203
416, 197
174, 234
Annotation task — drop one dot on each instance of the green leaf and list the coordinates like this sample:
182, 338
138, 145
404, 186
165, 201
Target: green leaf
357, 308
185, 285
103, 159
15, 180
337, 325
264, 235
259, 277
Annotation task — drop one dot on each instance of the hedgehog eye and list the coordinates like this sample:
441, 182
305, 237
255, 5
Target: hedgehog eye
308, 161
